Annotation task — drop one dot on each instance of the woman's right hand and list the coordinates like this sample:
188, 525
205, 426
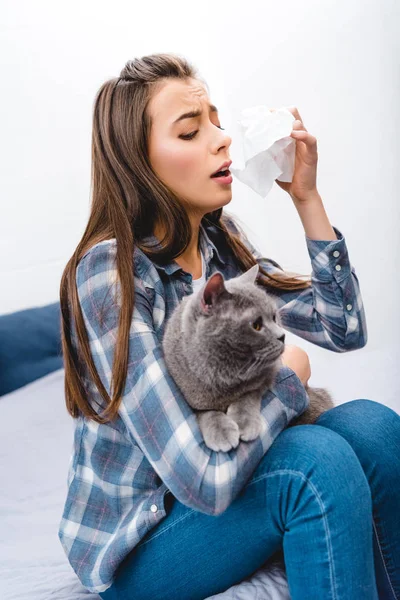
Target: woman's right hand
297, 359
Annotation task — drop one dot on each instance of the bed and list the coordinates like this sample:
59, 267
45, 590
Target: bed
35, 446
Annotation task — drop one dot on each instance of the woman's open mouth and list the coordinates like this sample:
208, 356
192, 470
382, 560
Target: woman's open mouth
224, 177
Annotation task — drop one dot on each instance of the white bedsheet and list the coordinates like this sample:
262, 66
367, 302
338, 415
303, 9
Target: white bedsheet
33, 477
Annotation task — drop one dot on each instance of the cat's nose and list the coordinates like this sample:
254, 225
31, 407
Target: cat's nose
282, 339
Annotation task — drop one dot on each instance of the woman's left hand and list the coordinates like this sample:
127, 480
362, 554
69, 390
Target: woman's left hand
304, 182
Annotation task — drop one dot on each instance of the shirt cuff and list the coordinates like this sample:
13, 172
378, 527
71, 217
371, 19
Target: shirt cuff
329, 258
283, 373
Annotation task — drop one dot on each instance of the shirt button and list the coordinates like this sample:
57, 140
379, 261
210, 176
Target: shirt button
336, 253
153, 508
349, 306
338, 268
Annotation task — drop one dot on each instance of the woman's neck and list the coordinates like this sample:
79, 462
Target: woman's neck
190, 259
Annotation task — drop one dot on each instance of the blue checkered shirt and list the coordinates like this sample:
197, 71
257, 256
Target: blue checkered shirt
119, 472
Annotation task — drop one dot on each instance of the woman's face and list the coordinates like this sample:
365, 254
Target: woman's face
185, 165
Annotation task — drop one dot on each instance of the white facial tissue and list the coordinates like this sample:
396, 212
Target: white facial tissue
263, 149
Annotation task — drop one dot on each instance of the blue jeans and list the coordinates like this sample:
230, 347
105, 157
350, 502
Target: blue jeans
327, 495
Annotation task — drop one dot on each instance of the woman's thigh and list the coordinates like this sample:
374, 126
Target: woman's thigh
300, 497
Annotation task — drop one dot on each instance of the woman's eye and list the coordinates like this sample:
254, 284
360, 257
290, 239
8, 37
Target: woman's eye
190, 136
257, 324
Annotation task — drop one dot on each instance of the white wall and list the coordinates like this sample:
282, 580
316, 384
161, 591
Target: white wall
337, 61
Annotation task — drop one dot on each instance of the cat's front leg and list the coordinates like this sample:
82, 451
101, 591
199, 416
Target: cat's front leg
246, 412
219, 431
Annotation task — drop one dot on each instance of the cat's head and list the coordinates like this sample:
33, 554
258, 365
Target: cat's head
232, 326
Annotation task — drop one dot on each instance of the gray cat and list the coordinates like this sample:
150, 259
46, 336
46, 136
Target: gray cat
222, 345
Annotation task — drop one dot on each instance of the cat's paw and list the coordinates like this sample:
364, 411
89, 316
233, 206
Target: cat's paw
219, 431
250, 429
250, 425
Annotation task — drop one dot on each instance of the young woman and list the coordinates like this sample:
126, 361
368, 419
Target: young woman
151, 512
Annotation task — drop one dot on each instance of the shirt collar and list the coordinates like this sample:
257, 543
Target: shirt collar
207, 246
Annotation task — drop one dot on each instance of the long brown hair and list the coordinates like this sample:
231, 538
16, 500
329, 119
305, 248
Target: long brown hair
127, 199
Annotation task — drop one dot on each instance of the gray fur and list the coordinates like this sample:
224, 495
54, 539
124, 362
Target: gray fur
223, 365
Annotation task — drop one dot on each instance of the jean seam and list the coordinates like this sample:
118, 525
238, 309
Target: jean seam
324, 517
383, 560
319, 500
153, 537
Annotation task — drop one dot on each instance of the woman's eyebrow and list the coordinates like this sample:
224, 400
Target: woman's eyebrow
194, 113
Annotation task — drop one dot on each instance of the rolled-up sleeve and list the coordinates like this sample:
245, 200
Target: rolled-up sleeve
330, 313
155, 413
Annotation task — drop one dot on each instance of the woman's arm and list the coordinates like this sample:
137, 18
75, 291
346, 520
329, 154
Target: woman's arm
155, 413
330, 313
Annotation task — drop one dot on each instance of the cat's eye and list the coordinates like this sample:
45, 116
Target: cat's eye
257, 324
274, 318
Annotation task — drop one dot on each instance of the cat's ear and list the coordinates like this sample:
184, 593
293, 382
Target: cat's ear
250, 275
213, 290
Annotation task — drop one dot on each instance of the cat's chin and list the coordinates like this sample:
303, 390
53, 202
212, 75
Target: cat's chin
272, 358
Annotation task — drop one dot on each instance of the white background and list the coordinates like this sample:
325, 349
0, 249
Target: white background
337, 61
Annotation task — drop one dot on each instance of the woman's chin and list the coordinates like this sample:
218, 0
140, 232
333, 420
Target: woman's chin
225, 196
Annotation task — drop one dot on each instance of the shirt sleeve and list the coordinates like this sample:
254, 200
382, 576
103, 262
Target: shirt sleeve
154, 411
331, 312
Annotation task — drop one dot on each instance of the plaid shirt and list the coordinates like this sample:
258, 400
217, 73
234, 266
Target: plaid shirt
119, 472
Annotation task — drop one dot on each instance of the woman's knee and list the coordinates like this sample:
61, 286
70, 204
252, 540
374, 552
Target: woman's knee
321, 457
369, 412
371, 428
